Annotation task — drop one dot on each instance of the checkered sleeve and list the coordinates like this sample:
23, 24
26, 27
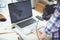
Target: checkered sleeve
51, 24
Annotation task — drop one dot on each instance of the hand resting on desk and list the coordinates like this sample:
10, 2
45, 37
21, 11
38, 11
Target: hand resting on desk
41, 35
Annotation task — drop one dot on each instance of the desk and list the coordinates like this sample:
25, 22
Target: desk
8, 36
24, 31
5, 27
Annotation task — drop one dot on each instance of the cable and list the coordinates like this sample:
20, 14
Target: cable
17, 34
37, 30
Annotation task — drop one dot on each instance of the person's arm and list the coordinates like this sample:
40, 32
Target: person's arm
51, 25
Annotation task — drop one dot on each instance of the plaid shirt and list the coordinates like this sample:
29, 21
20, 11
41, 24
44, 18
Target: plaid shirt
53, 24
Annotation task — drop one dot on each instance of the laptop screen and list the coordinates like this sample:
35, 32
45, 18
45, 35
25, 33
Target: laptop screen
20, 10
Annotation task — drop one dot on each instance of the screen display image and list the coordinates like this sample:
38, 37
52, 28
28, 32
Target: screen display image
20, 10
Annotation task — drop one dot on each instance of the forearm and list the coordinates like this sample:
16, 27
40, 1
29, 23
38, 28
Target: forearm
44, 36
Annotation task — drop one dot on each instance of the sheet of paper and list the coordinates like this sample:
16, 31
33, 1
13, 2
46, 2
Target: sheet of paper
11, 36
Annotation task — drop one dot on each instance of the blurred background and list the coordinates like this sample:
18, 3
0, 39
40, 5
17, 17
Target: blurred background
36, 4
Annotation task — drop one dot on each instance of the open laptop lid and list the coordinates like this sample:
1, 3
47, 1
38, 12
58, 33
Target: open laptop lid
20, 10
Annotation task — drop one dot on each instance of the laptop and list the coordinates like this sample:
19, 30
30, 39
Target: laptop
21, 13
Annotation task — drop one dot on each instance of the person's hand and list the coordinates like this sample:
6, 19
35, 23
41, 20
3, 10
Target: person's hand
40, 34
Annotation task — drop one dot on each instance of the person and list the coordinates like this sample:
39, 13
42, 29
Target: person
2, 17
53, 25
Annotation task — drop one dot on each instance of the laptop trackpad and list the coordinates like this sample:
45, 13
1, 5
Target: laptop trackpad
26, 23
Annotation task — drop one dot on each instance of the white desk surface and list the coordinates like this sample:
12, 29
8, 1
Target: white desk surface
26, 30
9, 36
8, 24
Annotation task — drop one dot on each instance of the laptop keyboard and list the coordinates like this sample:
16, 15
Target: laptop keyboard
26, 23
